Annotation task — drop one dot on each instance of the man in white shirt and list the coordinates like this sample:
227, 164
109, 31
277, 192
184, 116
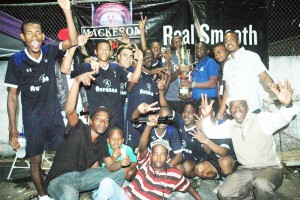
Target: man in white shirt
260, 173
243, 72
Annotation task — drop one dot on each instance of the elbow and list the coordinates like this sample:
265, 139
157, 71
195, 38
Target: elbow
65, 71
73, 41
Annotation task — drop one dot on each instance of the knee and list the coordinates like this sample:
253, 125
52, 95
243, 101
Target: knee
35, 161
106, 182
188, 168
262, 185
222, 193
63, 191
200, 170
226, 164
131, 174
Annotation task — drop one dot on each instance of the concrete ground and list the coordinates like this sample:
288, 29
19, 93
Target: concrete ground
20, 186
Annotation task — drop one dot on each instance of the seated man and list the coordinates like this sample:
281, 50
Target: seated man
167, 132
260, 173
220, 159
198, 160
155, 179
83, 146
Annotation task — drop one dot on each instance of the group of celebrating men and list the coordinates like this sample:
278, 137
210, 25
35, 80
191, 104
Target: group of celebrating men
179, 143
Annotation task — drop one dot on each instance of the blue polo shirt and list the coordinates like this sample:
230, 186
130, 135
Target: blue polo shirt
202, 73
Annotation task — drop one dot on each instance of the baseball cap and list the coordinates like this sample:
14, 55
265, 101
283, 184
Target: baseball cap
163, 142
63, 34
235, 97
102, 108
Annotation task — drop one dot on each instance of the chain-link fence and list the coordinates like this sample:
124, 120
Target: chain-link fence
50, 15
284, 28
287, 138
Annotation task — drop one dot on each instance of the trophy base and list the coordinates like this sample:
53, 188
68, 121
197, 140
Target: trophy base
185, 93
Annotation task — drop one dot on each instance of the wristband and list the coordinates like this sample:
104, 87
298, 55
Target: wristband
289, 105
193, 84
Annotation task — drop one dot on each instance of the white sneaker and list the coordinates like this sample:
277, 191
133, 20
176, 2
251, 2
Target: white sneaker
45, 197
215, 190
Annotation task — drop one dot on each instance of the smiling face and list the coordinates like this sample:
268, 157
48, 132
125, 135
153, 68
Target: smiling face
231, 42
176, 42
100, 122
33, 37
238, 110
159, 156
148, 59
155, 49
201, 50
115, 138
103, 51
125, 58
188, 115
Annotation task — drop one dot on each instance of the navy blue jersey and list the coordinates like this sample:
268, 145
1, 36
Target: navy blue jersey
192, 149
170, 135
144, 91
226, 142
123, 91
36, 81
105, 90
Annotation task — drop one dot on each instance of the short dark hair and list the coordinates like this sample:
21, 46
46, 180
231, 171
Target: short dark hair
115, 128
207, 47
125, 46
218, 44
174, 37
102, 108
102, 41
233, 32
30, 21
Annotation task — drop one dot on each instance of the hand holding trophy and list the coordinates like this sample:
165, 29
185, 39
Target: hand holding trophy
185, 67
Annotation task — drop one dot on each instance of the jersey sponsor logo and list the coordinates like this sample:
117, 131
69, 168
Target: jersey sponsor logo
108, 90
35, 88
107, 83
148, 91
107, 87
28, 70
122, 89
44, 78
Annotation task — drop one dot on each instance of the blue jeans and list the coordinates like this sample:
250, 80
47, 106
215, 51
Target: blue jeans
67, 186
109, 189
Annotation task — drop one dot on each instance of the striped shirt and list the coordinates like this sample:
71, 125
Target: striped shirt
152, 185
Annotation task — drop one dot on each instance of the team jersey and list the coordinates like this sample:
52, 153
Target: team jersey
105, 90
170, 135
36, 80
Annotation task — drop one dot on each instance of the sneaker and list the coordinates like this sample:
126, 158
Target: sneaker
195, 182
45, 197
215, 190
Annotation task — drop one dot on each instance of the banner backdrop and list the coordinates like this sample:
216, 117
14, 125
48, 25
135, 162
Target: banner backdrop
194, 20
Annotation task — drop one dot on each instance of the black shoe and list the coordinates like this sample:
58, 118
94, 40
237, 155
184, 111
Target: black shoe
195, 182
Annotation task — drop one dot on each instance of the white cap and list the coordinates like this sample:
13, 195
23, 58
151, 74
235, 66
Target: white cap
235, 97
163, 142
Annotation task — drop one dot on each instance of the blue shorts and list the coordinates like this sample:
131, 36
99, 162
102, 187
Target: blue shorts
43, 133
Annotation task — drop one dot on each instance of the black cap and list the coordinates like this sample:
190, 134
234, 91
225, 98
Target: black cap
102, 108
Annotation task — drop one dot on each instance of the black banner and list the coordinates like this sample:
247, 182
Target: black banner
194, 20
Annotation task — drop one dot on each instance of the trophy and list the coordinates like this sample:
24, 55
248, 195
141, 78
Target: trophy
184, 93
